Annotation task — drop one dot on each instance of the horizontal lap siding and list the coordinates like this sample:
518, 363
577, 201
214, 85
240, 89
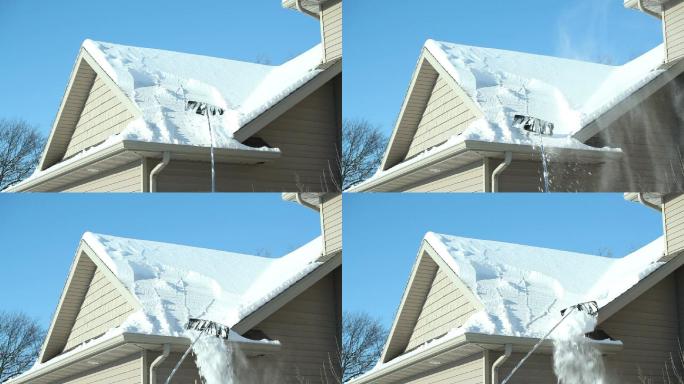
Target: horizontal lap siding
332, 224
103, 308
187, 373
649, 329
331, 19
103, 116
674, 31
538, 369
307, 328
446, 115
467, 371
126, 371
673, 215
307, 135
467, 179
125, 179
445, 308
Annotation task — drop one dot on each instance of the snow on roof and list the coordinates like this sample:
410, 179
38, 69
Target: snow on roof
174, 282
161, 82
523, 288
568, 93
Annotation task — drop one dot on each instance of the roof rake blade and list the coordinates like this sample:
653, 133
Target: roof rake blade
208, 327
590, 307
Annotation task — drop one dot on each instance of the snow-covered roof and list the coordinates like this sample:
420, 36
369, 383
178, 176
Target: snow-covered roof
523, 288
568, 93
173, 283
160, 83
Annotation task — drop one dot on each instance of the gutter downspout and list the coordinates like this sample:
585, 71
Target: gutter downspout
166, 157
640, 197
640, 4
160, 359
298, 5
298, 197
508, 157
508, 349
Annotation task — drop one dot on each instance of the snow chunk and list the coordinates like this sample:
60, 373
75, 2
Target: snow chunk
173, 282
523, 288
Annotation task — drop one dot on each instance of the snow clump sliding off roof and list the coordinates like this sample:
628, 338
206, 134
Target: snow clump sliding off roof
160, 83
173, 283
568, 93
524, 288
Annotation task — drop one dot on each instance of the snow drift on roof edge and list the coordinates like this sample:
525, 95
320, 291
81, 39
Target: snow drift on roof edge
161, 82
568, 93
175, 282
523, 288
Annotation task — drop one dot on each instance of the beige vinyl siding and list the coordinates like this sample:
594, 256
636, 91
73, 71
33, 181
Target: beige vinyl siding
538, 369
445, 115
103, 308
526, 176
124, 179
103, 115
126, 371
674, 31
673, 217
307, 328
649, 329
331, 24
331, 211
466, 371
445, 308
679, 279
466, 179
308, 137
187, 373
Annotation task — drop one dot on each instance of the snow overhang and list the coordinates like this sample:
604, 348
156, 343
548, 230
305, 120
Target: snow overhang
110, 156
109, 349
456, 348
447, 158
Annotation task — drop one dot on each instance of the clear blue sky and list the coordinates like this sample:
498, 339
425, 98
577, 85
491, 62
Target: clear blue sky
40, 39
39, 233
382, 233
383, 39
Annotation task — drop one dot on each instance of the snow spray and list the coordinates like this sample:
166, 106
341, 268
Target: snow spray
575, 359
213, 358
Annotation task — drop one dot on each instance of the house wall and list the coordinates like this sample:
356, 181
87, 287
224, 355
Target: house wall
103, 115
445, 308
331, 213
673, 220
673, 28
331, 29
308, 136
125, 371
445, 115
307, 327
103, 308
466, 371
187, 373
538, 369
124, 179
649, 329
465, 179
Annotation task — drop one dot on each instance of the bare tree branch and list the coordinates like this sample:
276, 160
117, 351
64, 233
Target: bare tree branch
362, 148
20, 341
363, 338
20, 149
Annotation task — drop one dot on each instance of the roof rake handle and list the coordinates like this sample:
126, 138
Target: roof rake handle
591, 307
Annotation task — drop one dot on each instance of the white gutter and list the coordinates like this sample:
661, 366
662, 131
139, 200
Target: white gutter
499, 169
643, 201
166, 157
160, 359
298, 5
508, 349
640, 5
300, 200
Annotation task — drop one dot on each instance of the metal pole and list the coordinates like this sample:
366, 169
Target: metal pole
211, 140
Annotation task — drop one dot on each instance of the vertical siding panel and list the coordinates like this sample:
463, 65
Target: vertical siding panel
674, 31
332, 224
331, 20
674, 224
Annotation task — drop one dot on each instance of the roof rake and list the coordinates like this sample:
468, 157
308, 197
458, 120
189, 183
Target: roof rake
205, 328
206, 109
533, 124
590, 307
